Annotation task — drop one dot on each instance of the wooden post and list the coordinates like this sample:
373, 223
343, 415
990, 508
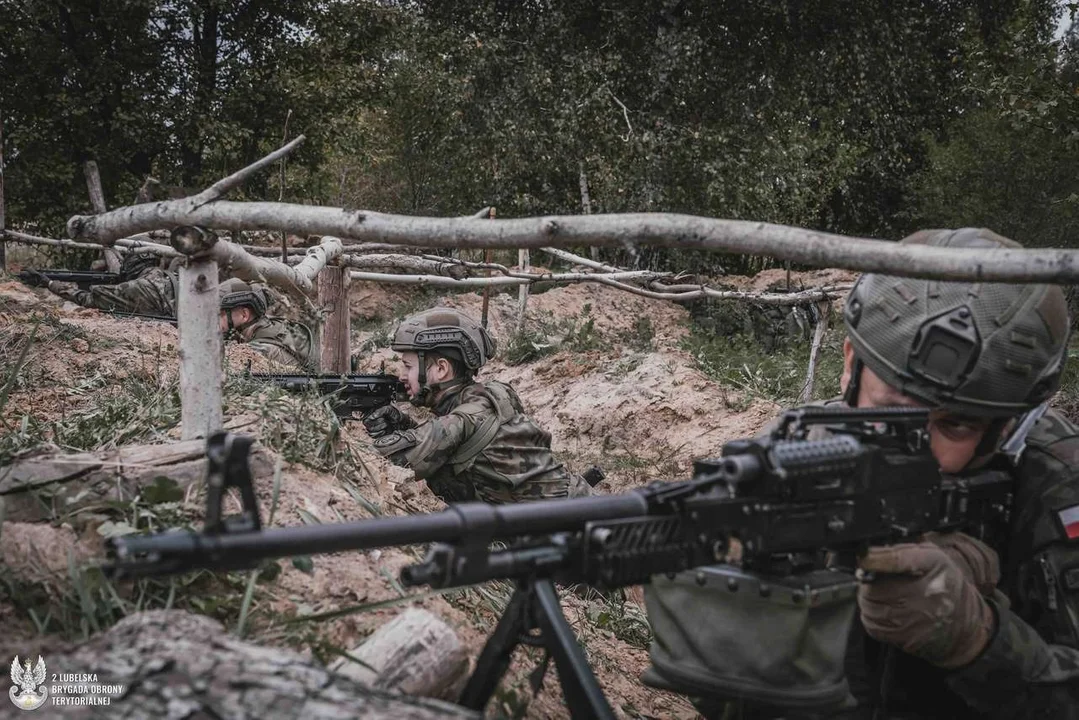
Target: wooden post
487, 290
334, 350
97, 199
586, 203
522, 292
198, 313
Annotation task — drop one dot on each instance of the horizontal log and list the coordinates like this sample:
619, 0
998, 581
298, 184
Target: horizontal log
48, 485
806, 247
175, 664
416, 653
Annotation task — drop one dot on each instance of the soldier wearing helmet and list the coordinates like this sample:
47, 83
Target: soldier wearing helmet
244, 319
950, 627
144, 289
480, 445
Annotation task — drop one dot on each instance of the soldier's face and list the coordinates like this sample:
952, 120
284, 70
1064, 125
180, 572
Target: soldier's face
437, 371
952, 438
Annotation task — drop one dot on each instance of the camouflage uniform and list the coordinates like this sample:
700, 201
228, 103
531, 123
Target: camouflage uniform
1031, 667
482, 446
153, 293
282, 341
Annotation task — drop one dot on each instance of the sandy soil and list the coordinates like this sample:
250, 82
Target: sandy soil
641, 415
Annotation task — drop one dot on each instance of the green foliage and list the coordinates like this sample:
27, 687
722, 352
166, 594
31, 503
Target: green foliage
741, 361
1008, 164
544, 335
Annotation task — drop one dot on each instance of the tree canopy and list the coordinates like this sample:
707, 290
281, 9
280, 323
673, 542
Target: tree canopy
866, 117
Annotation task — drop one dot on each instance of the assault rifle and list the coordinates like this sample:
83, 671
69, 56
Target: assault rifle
872, 480
347, 393
82, 278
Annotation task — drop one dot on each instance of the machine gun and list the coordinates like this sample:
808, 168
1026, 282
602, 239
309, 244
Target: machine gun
872, 480
347, 393
83, 278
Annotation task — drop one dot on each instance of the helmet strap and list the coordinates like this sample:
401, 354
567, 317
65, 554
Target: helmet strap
854, 385
428, 391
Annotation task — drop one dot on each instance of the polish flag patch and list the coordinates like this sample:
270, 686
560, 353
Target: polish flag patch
1069, 520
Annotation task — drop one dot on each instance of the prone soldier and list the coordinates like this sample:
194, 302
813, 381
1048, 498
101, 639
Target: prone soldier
480, 445
144, 288
244, 319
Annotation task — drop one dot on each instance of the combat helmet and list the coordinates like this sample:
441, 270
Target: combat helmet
135, 264
236, 293
448, 332
988, 350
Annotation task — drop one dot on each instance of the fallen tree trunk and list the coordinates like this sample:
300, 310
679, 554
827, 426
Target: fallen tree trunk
297, 280
806, 247
174, 664
49, 485
415, 653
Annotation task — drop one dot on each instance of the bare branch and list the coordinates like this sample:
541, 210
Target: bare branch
296, 280
222, 187
511, 279
625, 114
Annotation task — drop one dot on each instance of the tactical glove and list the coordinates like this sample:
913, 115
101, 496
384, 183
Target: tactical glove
979, 562
385, 420
922, 602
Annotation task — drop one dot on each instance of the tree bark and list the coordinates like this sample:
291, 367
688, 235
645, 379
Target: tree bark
173, 664
806, 247
297, 280
97, 201
45, 486
415, 653
198, 312
334, 351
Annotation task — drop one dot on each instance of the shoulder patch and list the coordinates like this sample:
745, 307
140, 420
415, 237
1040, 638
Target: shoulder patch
1069, 521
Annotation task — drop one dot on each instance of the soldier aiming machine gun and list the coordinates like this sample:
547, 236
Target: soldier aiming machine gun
785, 498
347, 393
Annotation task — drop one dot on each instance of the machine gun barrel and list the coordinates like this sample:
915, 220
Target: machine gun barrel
174, 552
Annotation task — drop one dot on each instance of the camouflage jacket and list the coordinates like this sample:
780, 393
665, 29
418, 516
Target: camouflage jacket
152, 293
1031, 667
482, 446
282, 341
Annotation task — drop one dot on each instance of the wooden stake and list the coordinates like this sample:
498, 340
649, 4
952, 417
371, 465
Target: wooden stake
334, 351
487, 290
522, 292
97, 200
198, 313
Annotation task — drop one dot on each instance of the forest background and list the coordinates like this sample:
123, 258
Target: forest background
864, 117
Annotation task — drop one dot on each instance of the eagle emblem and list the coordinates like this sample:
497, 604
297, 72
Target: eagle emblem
29, 691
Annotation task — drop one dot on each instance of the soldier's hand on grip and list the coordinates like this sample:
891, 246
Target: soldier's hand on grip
979, 562
925, 603
385, 420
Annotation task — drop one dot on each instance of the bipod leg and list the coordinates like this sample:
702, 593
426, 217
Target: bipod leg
495, 658
584, 696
